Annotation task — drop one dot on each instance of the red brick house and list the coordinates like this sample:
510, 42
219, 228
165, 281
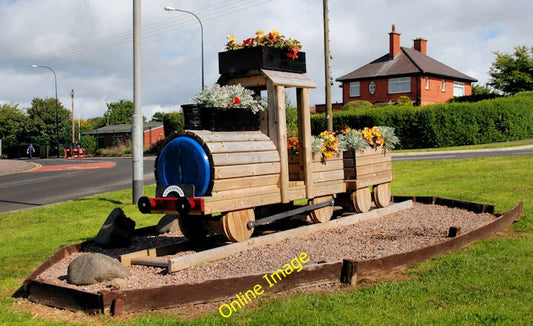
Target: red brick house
114, 135
405, 72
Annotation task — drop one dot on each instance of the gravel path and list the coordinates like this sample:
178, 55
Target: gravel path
407, 230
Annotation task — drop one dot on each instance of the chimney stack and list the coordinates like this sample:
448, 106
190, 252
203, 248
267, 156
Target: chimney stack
394, 42
420, 45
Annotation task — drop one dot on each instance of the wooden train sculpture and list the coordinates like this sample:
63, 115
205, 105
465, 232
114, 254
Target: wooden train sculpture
234, 181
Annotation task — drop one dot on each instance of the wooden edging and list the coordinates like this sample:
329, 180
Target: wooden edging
347, 271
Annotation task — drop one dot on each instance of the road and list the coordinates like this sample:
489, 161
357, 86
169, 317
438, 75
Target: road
61, 180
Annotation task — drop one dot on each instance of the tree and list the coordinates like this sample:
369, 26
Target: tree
119, 113
158, 117
513, 73
13, 122
42, 120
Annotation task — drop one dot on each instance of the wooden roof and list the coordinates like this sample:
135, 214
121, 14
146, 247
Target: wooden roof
407, 62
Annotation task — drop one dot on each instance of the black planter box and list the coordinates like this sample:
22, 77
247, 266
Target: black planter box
260, 57
198, 117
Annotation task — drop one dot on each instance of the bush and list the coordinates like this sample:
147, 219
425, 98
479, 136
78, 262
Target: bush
443, 125
354, 105
404, 101
173, 123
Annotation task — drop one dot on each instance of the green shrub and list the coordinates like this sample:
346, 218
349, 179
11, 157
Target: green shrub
443, 125
404, 101
173, 123
354, 105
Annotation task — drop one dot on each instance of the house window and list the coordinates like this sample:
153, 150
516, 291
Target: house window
354, 89
427, 82
400, 85
458, 89
443, 85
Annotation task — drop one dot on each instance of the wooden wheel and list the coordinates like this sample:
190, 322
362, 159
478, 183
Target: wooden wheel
323, 214
234, 225
382, 195
193, 228
362, 200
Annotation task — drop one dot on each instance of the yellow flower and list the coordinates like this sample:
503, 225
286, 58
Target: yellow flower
259, 33
274, 32
230, 37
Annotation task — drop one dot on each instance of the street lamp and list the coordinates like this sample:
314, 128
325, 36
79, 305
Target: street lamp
55, 83
167, 8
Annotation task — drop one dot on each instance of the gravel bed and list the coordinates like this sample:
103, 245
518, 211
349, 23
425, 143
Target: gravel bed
420, 226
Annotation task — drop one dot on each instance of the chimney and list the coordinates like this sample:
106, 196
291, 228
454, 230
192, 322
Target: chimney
420, 45
394, 42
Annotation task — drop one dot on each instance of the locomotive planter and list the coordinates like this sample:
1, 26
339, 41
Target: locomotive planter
230, 182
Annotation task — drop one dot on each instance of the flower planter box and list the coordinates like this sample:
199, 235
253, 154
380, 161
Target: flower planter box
255, 58
197, 117
369, 167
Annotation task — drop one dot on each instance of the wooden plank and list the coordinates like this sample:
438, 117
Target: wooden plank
183, 262
237, 193
328, 188
384, 177
245, 158
230, 136
241, 146
288, 79
297, 191
245, 182
150, 262
333, 164
328, 176
232, 204
236, 171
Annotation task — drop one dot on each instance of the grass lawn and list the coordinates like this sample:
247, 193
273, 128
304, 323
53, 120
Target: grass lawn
491, 282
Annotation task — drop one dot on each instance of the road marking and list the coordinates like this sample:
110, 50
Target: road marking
74, 167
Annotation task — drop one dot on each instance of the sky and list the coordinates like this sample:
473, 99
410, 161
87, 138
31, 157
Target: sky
89, 44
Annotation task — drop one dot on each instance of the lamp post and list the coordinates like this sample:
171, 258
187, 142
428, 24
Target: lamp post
201, 36
55, 83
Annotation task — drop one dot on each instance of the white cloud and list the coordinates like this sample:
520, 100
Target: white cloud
89, 43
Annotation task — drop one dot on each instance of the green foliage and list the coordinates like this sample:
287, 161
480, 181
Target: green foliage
158, 117
13, 122
354, 105
292, 121
42, 122
513, 73
404, 101
119, 113
443, 125
173, 123
89, 143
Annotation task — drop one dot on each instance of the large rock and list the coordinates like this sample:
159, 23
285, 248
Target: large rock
94, 268
168, 223
117, 230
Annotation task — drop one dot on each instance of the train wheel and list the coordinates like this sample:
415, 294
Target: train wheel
323, 214
382, 195
362, 200
234, 225
192, 228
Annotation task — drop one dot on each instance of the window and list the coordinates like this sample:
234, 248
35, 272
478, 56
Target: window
443, 85
458, 89
400, 85
354, 89
427, 82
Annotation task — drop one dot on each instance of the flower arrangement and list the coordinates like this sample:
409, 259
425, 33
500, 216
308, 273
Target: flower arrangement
375, 137
293, 144
273, 39
325, 143
229, 96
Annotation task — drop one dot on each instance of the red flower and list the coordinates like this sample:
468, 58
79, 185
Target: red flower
236, 100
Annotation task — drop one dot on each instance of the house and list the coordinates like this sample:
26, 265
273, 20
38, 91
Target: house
405, 72
114, 135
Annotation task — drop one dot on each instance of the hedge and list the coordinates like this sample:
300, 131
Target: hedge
443, 125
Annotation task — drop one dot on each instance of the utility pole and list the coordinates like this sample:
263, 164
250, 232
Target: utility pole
137, 126
73, 133
329, 109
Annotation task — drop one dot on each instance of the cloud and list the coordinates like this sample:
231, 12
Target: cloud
89, 43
